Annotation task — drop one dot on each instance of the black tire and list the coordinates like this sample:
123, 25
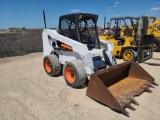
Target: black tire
156, 47
129, 54
52, 65
74, 73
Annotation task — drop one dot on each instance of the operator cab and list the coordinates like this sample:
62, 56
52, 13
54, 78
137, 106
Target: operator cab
81, 27
123, 26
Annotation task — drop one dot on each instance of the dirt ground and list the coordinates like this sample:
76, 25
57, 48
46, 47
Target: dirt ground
27, 92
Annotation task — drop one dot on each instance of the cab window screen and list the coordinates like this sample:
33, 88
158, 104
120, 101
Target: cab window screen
65, 24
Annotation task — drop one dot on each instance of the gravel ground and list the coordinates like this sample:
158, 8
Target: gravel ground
27, 92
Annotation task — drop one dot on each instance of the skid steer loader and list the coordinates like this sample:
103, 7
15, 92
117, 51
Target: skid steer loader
129, 35
76, 49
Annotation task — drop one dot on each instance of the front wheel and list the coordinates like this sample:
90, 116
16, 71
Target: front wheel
129, 54
74, 73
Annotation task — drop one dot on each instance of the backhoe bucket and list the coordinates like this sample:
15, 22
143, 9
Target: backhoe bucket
117, 85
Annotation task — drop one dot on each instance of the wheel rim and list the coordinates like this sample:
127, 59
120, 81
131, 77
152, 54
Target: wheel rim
128, 55
47, 65
70, 74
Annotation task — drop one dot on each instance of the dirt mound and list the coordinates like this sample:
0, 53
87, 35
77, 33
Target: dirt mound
16, 44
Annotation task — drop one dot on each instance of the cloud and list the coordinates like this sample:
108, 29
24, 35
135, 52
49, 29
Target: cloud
108, 11
115, 5
75, 11
116, 2
156, 8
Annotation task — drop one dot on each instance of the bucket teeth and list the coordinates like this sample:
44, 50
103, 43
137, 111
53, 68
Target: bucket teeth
131, 107
127, 105
134, 101
154, 83
149, 85
125, 112
148, 90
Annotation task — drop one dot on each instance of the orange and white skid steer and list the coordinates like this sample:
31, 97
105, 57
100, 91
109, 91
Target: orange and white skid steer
76, 50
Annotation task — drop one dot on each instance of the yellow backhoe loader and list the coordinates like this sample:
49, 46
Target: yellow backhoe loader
130, 38
76, 49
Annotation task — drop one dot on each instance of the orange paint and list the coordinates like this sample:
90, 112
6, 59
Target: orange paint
67, 47
47, 66
70, 74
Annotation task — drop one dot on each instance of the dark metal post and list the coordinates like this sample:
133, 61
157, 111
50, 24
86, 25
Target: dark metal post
104, 22
44, 19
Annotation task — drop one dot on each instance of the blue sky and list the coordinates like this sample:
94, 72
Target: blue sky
28, 13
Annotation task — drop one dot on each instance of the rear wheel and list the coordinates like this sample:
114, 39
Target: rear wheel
129, 54
74, 73
156, 47
52, 65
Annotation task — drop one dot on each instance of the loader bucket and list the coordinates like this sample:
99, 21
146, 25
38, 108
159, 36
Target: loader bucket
117, 86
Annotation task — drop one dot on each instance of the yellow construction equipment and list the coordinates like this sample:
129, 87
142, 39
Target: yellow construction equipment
76, 49
128, 34
154, 28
